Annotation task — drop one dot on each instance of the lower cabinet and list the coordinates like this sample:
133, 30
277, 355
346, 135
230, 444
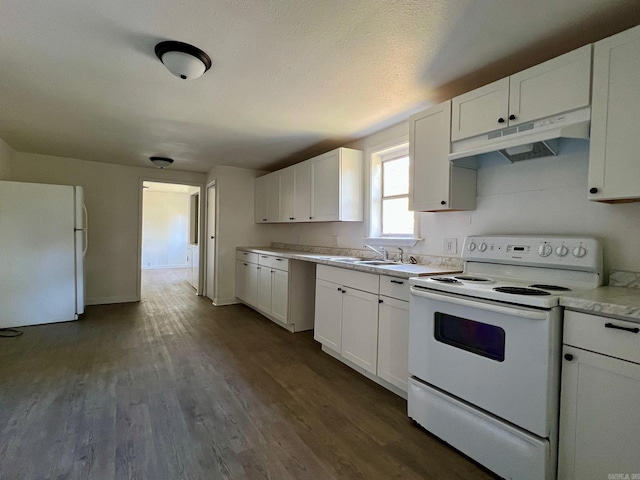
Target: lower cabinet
599, 416
360, 326
393, 341
280, 289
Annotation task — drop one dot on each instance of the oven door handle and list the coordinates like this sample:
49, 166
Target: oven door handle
513, 311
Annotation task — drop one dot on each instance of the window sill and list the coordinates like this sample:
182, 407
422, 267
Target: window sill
392, 241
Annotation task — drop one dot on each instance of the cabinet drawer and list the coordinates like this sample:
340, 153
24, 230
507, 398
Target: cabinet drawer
367, 282
247, 256
598, 334
395, 287
278, 263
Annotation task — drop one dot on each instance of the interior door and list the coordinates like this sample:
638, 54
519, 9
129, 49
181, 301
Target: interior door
211, 242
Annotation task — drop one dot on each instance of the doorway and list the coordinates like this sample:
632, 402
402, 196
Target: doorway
170, 233
210, 277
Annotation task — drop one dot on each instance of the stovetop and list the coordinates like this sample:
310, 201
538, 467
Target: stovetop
524, 270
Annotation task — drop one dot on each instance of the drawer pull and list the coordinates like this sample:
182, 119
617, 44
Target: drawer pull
568, 357
397, 281
618, 327
263, 256
278, 259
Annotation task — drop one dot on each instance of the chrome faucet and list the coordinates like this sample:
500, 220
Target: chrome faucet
384, 255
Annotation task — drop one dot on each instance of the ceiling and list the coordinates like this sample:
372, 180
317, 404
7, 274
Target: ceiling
290, 78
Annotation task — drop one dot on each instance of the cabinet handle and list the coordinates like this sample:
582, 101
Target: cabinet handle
593, 190
397, 281
278, 259
443, 202
618, 327
272, 271
501, 120
263, 256
512, 117
245, 253
344, 291
245, 264
259, 268
264, 219
310, 218
568, 356
380, 300
339, 289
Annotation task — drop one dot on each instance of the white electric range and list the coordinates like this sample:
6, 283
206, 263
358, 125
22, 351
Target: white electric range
485, 345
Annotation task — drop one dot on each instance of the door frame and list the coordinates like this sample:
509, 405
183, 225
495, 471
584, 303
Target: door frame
201, 209
210, 275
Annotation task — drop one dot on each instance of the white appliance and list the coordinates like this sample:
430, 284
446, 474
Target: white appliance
43, 240
485, 345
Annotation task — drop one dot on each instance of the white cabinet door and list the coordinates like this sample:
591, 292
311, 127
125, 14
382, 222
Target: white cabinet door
287, 195
600, 418
325, 187
360, 328
295, 193
614, 168
264, 289
393, 341
559, 85
279, 295
302, 192
247, 282
195, 267
260, 200
328, 315
481, 110
273, 197
434, 183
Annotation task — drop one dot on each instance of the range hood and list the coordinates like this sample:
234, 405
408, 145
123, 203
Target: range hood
541, 138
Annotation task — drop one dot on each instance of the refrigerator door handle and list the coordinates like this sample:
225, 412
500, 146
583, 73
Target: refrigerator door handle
86, 230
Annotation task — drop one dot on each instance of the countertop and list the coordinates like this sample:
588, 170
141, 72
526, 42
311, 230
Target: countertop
619, 302
400, 270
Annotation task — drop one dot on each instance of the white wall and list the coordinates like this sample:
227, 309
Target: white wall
543, 196
112, 197
7, 154
165, 229
235, 225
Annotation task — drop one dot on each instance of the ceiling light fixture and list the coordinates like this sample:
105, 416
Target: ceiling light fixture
161, 162
183, 60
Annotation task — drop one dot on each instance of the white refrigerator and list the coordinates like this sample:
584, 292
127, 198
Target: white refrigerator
43, 239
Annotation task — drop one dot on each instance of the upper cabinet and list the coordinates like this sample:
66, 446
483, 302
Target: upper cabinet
337, 186
435, 184
559, 85
614, 168
325, 188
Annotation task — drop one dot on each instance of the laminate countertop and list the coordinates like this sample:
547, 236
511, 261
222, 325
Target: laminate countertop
619, 302
400, 270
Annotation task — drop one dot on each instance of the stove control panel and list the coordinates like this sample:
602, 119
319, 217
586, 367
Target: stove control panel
551, 251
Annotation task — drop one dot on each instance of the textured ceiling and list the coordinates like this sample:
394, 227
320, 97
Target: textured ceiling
290, 78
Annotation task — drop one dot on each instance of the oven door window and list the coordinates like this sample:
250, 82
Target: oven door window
475, 337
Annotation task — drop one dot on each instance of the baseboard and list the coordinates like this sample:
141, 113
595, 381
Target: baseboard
109, 300
220, 302
158, 267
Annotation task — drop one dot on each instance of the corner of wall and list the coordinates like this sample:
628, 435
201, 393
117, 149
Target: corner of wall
7, 155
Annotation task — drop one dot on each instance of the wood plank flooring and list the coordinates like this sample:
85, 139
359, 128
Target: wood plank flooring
175, 388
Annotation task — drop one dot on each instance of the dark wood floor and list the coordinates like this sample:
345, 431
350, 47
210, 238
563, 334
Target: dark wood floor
174, 388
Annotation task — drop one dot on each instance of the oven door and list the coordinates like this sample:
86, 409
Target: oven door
499, 357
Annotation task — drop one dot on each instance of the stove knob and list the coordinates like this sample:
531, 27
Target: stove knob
561, 251
544, 250
472, 246
579, 251
482, 247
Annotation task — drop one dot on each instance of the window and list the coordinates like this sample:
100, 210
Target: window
390, 215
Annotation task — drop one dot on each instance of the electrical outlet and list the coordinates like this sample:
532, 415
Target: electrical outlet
451, 246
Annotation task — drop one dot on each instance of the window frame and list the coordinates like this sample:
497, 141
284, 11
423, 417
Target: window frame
377, 155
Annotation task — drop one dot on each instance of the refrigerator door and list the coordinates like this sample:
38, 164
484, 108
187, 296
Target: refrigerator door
80, 247
37, 254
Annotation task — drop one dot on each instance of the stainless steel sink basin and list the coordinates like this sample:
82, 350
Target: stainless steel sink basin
375, 262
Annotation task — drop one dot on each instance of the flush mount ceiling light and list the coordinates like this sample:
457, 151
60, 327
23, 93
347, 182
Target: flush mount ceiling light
161, 162
183, 60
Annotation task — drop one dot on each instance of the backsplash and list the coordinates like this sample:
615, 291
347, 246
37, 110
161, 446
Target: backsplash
446, 262
624, 279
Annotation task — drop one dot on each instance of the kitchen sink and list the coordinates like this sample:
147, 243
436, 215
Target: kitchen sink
375, 262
